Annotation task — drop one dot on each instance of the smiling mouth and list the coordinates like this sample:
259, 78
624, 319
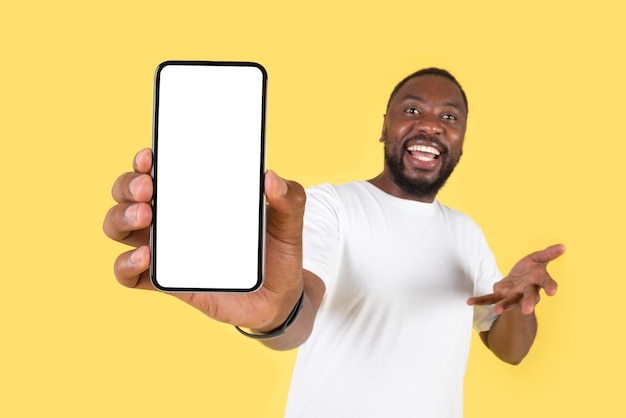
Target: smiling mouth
424, 152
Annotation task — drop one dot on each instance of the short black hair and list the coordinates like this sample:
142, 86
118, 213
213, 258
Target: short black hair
429, 71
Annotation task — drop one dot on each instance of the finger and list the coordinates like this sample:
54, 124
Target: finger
484, 300
548, 284
286, 200
132, 187
129, 223
506, 303
538, 276
131, 268
530, 299
142, 162
548, 254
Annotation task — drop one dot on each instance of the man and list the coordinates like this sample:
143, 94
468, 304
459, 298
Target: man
386, 277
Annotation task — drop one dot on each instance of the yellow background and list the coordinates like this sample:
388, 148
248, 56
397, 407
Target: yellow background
543, 164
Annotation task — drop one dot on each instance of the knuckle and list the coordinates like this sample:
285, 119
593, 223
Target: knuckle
111, 224
120, 274
126, 273
120, 190
299, 195
106, 224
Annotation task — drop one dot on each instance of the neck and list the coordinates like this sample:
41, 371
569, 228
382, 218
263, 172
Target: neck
385, 183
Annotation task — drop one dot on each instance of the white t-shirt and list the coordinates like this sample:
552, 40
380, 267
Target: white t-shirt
392, 336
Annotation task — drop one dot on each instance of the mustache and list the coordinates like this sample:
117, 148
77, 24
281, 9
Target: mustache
422, 137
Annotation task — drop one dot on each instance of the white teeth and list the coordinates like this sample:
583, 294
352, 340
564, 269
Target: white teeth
424, 148
421, 158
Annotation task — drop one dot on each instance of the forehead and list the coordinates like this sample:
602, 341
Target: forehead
433, 89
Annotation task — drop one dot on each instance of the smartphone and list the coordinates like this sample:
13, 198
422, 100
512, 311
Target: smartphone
208, 230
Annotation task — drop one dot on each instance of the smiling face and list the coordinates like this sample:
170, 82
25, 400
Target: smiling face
423, 133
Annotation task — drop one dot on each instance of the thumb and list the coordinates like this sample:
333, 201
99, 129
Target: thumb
286, 200
275, 186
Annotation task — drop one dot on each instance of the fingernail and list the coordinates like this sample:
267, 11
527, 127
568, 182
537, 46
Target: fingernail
135, 257
282, 189
134, 185
278, 184
131, 212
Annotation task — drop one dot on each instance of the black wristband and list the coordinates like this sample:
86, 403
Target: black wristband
277, 332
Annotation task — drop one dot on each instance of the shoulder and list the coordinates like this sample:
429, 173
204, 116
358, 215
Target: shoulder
338, 201
458, 220
323, 195
335, 189
335, 193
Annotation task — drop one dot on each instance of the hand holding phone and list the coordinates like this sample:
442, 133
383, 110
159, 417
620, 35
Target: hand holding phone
281, 261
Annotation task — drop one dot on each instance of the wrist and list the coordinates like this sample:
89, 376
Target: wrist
276, 331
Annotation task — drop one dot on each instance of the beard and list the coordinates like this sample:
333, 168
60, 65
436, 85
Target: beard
420, 187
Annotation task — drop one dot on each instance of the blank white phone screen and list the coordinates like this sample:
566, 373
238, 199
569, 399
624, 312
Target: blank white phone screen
209, 148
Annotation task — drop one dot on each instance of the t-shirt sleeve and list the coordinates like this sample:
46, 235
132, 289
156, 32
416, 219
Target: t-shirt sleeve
320, 239
487, 275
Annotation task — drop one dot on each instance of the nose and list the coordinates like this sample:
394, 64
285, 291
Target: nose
429, 125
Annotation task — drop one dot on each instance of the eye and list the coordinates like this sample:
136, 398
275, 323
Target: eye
412, 111
449, 116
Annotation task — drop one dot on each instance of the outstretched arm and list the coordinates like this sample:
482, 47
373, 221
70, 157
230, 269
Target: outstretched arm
515, 298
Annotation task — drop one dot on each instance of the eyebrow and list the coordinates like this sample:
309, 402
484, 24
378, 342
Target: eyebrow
422, 100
